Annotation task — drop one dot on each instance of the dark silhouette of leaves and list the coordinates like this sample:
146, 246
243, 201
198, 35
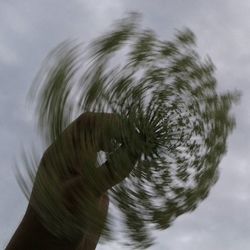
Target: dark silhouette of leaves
177, 123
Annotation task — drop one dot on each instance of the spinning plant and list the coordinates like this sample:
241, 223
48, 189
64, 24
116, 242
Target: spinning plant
176, 124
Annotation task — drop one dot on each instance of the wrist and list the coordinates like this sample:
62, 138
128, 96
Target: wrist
31, 234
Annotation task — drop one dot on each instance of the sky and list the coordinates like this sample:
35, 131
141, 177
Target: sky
30, 29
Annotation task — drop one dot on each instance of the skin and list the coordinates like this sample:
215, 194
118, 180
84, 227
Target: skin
84, 137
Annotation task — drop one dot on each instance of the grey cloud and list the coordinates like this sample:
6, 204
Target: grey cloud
30, 29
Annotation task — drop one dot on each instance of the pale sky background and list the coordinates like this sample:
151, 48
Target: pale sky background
30, 29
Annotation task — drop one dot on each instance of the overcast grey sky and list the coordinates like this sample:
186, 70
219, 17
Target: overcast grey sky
30, 29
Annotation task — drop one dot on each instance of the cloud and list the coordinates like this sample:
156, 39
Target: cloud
30, 29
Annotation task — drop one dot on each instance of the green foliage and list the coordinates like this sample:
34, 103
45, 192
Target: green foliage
163, 90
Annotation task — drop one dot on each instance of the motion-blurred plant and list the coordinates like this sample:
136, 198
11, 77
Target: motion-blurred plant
163, 90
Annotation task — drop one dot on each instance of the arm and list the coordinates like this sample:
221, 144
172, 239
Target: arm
90, 241
31, 235
84, 133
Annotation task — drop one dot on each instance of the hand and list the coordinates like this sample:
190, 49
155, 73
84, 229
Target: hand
59, 170
69, 186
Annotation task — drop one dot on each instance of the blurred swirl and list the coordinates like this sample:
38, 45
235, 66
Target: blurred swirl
177, 124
